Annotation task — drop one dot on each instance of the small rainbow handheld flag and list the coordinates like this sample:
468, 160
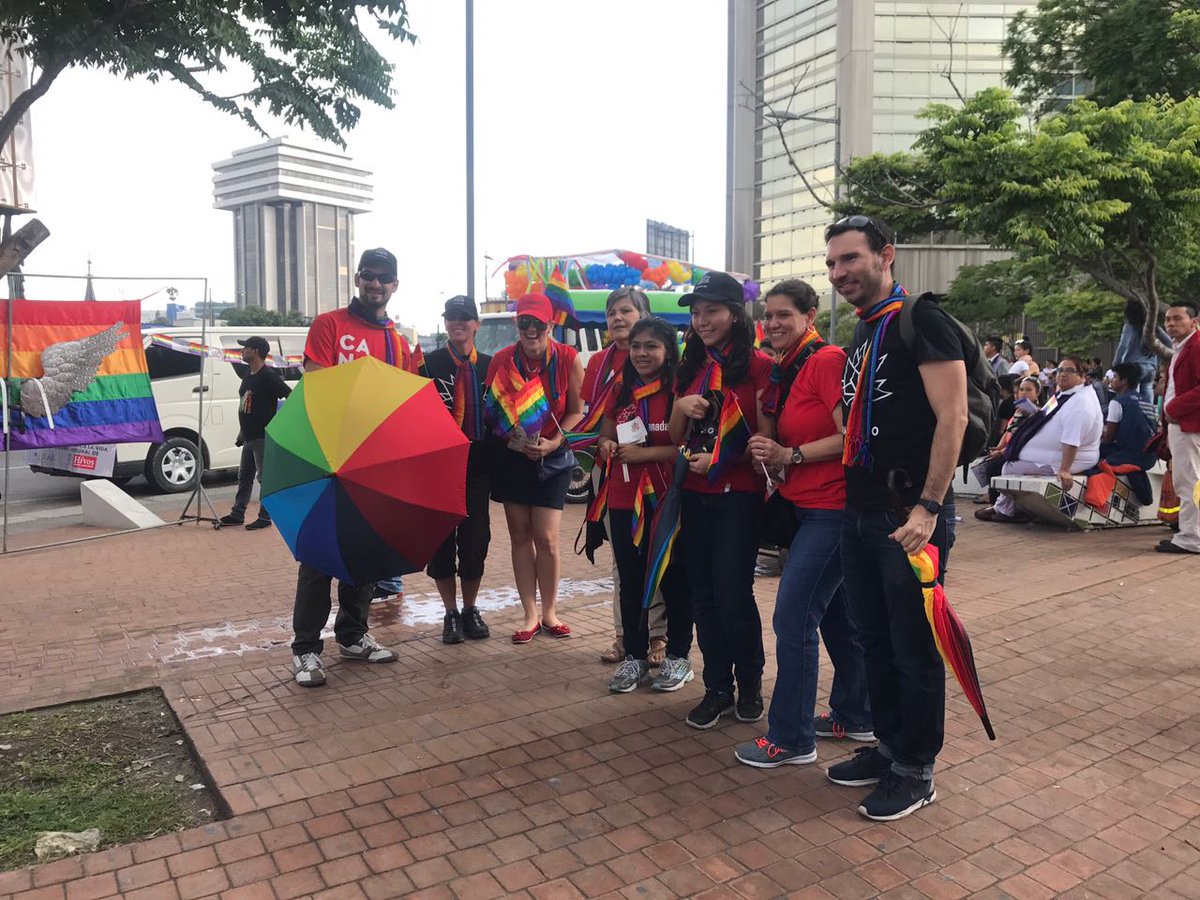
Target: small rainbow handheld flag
733, 434
643, 503
523, 405
560, 297
599, 504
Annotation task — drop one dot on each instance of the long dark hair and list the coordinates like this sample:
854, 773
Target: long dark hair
737, 364
1135, 314
665, 332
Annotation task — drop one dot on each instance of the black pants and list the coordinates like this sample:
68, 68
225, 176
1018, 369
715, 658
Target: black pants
719, 538
313, 604
906, 678
473, 534
631, 564
250, 469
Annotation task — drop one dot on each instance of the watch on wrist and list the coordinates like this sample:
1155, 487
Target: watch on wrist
932, 506
797, 456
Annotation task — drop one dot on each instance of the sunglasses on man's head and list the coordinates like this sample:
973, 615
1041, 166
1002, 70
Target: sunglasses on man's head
526, 322
381, 277
862, 223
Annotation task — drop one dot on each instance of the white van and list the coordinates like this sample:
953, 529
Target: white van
173, 466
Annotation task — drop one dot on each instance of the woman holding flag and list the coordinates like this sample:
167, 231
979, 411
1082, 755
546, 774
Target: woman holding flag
533, 398
637, 451
720, 382
805, 402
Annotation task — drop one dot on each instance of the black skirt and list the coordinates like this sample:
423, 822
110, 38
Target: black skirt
515, 480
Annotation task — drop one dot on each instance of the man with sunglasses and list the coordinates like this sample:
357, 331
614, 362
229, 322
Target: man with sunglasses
336, 337
905, 400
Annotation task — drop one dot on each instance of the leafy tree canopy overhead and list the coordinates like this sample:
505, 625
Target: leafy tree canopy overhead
1122, 49
308, 62
256, 315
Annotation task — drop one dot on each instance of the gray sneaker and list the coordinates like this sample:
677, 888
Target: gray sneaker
629, 675
308, 670
763, 754
673, 674
368, 650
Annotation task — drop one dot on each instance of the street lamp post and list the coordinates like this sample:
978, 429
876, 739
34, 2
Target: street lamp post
470, 104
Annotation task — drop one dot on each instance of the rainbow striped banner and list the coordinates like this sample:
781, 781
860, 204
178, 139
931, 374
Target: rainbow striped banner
77, 374
560, 297
229, 355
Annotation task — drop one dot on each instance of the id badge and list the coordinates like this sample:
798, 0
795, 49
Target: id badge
632, 432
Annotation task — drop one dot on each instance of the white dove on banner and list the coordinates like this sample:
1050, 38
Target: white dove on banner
68, 367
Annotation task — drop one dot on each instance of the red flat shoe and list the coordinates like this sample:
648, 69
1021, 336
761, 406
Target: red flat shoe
524, 637
561, 630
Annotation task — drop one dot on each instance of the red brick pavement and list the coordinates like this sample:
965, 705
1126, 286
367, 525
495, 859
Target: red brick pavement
488, 770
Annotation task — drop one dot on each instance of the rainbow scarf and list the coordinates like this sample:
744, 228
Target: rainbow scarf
783, 373
644, 500
559, 297
395, 349
468, 409
609, 378
733, 434
857, 448
714, 373
599, 505
642, 392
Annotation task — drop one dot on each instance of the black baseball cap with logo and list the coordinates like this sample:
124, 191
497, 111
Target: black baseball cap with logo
257, 343
461, 307
717, 287
380, 260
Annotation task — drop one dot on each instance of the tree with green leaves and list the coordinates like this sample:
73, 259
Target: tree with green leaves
256, 316
307, 62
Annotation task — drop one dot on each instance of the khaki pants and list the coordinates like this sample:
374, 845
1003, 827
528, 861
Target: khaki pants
1185, 468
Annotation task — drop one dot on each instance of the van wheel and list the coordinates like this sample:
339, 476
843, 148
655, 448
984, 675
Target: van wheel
173, 466
581, 476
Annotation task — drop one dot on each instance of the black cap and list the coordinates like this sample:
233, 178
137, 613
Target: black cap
382, 260
461, 307
257, 343
717, 287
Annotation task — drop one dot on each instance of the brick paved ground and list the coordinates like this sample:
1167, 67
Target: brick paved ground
486, 769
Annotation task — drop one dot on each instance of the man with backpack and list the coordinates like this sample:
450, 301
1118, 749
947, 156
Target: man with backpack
910, 407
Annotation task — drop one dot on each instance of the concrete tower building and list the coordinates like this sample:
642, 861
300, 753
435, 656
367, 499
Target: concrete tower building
293, 224
861, 71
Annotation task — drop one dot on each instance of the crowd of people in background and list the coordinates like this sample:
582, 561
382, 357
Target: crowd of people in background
849, 465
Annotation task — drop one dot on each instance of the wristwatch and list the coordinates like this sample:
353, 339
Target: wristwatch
797, 456
932, 506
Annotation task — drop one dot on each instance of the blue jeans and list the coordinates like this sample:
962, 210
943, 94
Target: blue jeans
719, 539
905, 675
811, 595
1145, 385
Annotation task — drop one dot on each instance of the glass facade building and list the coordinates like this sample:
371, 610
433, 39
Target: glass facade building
848, 77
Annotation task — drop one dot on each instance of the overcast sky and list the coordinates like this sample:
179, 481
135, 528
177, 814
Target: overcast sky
590, 118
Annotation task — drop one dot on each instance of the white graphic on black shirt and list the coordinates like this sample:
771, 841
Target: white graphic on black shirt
445, 388
850, 375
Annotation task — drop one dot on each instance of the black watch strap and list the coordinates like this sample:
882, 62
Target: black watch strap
931, 505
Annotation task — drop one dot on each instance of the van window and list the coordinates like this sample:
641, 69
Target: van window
496, 334
166, 363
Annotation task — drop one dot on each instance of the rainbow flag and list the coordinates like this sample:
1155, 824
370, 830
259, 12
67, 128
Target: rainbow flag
523, 405
80, 366
560, 297
733, 434
599, 505
643, 504
581, 440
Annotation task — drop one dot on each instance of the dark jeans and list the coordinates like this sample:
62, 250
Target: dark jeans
313, 604
249, 469
473, 534
719, 538
905, 675
631, 564
811, 595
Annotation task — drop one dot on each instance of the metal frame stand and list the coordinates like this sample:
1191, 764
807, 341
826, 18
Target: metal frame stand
198, 492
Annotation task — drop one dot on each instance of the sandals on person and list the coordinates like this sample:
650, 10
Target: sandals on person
615, 653
658, 652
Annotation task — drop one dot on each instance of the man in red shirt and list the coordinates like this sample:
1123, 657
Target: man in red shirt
336, 337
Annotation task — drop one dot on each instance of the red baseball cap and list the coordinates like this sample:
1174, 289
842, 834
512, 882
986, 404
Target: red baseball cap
536, 305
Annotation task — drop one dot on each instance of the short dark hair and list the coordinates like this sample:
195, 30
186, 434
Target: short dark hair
801, 293
1130, 373
997, 342
1189, 305
879, 233
1008, 382
1076, 361
1024, 345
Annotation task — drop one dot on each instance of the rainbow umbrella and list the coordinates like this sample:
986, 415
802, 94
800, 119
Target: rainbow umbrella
948, 633
364, 471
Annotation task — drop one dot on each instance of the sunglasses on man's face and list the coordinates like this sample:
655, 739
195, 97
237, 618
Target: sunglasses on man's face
381, 277
526, 322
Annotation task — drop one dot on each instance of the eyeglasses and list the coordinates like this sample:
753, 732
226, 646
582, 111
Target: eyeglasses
526, 322
862, 223
381, 277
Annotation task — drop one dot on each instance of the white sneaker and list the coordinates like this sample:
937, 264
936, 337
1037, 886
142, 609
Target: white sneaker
368, 650
308, 670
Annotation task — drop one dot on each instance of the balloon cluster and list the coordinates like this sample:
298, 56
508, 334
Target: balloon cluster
516, 281
751, 290
611, 277
634, 260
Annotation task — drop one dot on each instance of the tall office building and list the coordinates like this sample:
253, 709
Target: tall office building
293, 224
857, 72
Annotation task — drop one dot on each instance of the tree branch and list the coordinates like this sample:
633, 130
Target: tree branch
948, 72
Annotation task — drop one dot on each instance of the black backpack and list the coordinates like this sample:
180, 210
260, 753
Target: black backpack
983, 390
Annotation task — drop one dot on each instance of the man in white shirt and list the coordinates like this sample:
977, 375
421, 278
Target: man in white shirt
1067, 443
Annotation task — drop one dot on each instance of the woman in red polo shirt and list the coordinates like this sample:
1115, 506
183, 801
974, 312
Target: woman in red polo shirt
720, 507
637, 449
805, 402
533, 504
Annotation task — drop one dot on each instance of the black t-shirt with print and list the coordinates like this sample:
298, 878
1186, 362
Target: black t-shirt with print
441, 368
261, 392
902, 419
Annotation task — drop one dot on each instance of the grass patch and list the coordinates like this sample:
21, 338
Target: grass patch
111, 764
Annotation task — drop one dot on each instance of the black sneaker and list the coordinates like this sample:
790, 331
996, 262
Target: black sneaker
452, 628
867, 766
749, 705
231, 519
824, 726
711, 708
473, 624
897, 796
258, 524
